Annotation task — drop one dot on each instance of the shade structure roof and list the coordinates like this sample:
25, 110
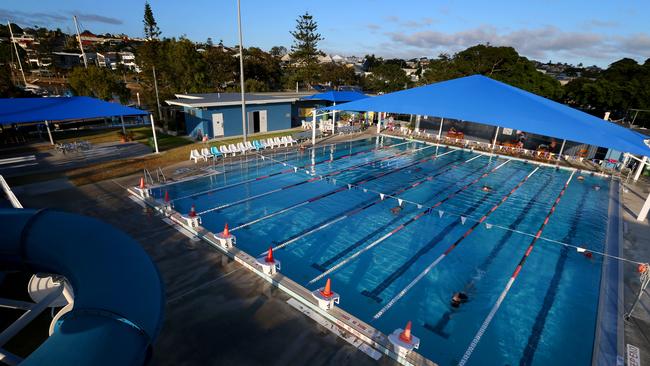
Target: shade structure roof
483, 100
337, 96
22, 110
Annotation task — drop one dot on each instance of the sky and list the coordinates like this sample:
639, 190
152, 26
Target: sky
596, 32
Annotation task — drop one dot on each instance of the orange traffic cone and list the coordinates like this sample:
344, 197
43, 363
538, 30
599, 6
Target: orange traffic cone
406, 333
167, 196
327, 291
269, 256
226, 233
142, 185
193, 211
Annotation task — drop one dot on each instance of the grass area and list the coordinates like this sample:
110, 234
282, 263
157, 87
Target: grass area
140, 134
171, 155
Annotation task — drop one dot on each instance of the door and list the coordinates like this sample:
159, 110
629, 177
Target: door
217, 125
263, 125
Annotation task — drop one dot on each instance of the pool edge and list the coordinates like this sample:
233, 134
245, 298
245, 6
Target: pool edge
344, 320
608, 340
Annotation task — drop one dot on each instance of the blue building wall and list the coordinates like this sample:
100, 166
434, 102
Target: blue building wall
199, 120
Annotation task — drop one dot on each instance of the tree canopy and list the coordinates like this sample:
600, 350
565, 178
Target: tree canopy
98, 82
500, 63
624, 85
304, 51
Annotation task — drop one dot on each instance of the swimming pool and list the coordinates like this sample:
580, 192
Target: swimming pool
334, 213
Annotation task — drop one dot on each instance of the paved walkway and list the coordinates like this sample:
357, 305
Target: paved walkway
217, 313
51, 161
636, 236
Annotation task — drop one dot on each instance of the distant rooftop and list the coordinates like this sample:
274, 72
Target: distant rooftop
227, 99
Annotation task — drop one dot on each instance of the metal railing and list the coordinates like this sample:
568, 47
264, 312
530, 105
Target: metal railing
10, 194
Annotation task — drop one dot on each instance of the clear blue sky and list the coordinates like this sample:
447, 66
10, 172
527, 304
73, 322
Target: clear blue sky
591, 32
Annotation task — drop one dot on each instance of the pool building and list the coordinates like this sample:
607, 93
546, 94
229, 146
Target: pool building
219, 114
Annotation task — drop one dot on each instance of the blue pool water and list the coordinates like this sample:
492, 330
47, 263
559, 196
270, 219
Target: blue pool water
553, 300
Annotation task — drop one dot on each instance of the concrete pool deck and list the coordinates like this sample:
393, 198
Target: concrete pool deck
216, 312
219, 313
636, 238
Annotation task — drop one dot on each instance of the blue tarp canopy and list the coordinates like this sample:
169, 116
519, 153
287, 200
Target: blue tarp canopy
22, 110
337, 96
483, 100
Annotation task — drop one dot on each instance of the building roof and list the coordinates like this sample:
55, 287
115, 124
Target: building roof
23, 110
337, 96
483, 100
230, 99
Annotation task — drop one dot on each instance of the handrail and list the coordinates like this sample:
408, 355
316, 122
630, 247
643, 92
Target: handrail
10, 194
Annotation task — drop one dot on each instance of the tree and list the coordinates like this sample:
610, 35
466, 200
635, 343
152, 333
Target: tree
337, 75
151, 30
278, 51
500, 63
623, 85
221, 68
386, 78
98, 82
263, 67
304, 50
209, 42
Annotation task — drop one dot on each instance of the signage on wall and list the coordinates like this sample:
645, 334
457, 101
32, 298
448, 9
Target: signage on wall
507, 131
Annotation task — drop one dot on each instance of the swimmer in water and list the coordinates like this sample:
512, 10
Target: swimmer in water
458, 299
486, 189
596, 188
396, 210
580, 178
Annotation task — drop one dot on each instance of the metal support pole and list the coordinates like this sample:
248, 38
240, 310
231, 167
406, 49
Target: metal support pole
313, 128
155, 86
49, 132
494, 142
20, 64
28, 316
9, 358
442, 120
334, 120
153, 130
137, 95
417, 123
241, 72
123, 128
379, 122
81, 46
640, 168
643, 214
559, 156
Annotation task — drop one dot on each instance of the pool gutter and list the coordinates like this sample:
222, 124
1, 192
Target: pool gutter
344, 320
608, 342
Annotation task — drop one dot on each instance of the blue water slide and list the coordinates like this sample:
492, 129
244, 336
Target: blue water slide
119, 296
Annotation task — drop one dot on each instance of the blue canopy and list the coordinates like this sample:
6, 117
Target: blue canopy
337, 96
483, 100
21, 110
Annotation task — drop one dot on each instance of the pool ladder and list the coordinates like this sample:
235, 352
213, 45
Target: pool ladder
160, 176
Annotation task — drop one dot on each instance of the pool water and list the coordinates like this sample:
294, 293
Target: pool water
324, 230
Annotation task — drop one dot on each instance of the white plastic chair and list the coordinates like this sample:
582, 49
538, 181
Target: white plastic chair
224, 150
270, 143
205, 153
233, 149
241, 147
250, 146
277, 141
195, 155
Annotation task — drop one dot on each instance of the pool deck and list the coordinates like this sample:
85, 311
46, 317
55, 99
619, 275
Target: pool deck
636, 239
217, 313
